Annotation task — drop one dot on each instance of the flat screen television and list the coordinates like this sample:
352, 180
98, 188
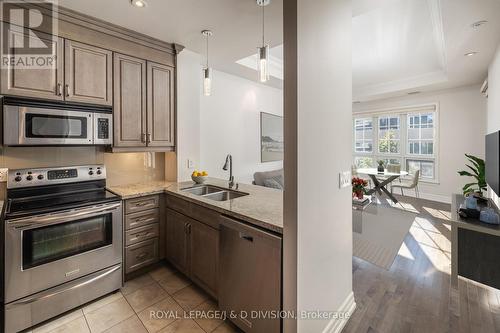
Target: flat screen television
492, 161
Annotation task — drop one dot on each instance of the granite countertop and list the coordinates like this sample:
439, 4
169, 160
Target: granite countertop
140, 189
263, 206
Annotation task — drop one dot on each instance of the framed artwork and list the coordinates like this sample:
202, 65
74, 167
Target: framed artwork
271, 137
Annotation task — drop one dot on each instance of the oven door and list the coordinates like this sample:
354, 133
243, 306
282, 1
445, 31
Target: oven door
47, 250
38, 126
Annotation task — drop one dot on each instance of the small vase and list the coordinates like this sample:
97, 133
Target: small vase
359, 195
380, 169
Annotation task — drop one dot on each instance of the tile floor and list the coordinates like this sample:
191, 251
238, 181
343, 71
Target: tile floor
128, 310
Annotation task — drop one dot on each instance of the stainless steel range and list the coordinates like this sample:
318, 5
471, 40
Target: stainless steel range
63, 242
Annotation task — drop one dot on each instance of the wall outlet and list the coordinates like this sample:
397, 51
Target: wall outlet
190, 163
345, 179
3, 175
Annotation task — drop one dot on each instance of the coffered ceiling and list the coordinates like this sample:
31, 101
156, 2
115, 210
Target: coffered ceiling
402, 46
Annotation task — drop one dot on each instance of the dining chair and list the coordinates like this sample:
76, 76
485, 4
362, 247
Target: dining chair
409, 185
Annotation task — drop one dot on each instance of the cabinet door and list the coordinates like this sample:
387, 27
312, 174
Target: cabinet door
161, 122
177, 240
204, 245
20, 80
87, 73
129, 101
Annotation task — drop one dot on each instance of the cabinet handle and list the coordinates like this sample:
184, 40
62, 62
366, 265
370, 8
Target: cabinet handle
189, 228
67, 90
246, 237
59, 89
142, 234
143, 137
148, 140
140, 204
141, 256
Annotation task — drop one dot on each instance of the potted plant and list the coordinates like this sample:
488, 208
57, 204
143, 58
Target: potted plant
358, 187
380, 168
477, 171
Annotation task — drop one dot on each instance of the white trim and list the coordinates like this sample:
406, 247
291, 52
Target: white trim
336, 325
426, 196
401, 109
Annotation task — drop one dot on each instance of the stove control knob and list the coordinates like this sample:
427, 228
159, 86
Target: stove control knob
30, 177
18, 178
91, 173
40, 177
99, 172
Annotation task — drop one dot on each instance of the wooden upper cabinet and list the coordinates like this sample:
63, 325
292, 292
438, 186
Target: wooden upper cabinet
129, 101
88, 74
161, 94
24, 81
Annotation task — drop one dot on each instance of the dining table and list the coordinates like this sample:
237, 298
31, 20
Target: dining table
380, 184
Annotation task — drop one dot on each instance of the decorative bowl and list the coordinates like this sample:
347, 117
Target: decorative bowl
199, 179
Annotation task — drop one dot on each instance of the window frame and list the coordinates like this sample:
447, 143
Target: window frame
364, 140
403, 155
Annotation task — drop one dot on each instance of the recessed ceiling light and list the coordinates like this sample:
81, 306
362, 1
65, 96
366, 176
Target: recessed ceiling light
478, 23
413, 92
138, 3
470, 54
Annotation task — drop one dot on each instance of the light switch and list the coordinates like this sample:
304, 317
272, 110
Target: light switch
190, 163
344, 179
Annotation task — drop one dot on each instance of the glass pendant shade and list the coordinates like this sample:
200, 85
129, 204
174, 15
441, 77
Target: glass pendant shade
264, 63
207, 81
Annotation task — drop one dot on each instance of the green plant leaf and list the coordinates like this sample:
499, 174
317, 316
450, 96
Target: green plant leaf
465, 173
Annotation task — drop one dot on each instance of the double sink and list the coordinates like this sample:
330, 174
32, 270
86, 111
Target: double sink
214, 193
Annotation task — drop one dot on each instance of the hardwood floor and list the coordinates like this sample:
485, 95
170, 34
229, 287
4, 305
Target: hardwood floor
415, 294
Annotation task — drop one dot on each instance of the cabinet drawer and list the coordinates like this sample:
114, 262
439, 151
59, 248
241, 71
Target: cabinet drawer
141, 234
140, 255
141, 204
140, 219
205, 215
177, 204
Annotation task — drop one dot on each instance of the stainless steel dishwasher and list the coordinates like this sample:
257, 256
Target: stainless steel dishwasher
250, 276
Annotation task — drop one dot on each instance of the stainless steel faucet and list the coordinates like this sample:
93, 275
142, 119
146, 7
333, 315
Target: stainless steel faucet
229, 163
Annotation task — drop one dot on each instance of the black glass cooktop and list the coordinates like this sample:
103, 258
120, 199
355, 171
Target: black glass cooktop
19, 206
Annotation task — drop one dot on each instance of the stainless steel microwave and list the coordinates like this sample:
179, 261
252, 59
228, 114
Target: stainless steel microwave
39, 124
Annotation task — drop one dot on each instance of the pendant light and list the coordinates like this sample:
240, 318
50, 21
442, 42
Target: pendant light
207, 71
263, 65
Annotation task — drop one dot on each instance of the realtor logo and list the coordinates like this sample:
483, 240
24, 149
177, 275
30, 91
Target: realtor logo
27, 35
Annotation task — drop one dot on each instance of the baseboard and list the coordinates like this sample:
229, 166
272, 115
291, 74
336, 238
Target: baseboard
427, 196
336, 325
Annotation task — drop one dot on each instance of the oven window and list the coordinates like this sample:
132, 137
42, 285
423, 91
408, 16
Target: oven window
53, 126
54, 242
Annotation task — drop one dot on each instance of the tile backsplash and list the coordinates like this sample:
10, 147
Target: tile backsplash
122, 168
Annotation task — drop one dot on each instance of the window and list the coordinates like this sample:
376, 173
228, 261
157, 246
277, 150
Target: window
363, 135
407, 137
364, 162
421, 134
426, 168
388, 134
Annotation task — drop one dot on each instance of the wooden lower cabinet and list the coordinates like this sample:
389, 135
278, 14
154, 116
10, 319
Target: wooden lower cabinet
144, 233
204, 251
177, 240
193, 248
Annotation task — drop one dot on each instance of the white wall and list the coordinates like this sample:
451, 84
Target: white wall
493, 118
230, 124
188, 112
324, 264
462, 117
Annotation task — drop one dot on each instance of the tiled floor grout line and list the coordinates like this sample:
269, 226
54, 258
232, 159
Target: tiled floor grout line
86, 321
135, 314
